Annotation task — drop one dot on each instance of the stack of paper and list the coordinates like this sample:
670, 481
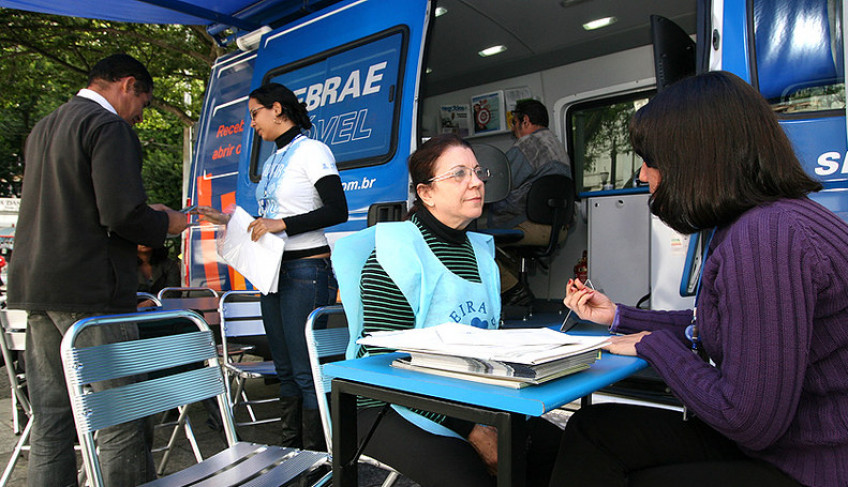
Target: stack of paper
512, 358
258, 261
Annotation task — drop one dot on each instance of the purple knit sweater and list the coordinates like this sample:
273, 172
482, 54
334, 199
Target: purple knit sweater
773, 316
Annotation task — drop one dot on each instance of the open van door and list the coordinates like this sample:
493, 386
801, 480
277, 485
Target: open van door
794, 52
357, 67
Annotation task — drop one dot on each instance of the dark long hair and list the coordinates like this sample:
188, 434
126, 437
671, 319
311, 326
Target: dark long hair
293, 109
719, 150
422, 162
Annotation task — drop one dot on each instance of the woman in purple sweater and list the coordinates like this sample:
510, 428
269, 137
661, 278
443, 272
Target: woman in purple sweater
772, 311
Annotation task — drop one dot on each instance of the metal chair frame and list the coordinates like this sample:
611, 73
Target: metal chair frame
205, 301
13, 323
142, 296
242, 318
262, 465
182, 422
324, 344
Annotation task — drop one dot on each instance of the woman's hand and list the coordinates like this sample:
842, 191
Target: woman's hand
625, 344
484, 439
209, 214
261, 226
588, 303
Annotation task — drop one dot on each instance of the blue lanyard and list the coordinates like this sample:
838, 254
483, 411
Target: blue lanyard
692, 330
270, 166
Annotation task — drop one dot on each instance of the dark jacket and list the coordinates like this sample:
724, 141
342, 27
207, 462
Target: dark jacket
83, 212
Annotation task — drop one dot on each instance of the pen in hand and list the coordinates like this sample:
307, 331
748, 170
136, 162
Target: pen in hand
565, 328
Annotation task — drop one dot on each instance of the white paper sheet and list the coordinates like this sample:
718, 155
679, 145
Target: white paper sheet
258, 261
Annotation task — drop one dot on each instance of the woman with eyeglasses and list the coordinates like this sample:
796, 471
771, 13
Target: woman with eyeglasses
301, 194
423, 272
766, 394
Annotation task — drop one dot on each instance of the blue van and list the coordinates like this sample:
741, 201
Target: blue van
378, 76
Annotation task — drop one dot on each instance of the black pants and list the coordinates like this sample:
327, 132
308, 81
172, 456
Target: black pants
622, 445
438, 461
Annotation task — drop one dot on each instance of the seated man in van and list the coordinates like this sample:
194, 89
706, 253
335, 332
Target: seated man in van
536, 153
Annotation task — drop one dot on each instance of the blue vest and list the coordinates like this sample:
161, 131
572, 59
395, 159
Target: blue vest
435, 294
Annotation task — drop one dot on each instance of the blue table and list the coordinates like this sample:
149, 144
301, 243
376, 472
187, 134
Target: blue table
502, 407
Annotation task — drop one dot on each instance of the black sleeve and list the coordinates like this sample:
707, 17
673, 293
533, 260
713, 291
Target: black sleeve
332, 213
118, 189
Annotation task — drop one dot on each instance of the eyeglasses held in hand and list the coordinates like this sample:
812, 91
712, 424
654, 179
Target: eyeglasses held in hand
462, 173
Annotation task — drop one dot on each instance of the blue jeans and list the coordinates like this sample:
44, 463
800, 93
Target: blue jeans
305, 284
125, 459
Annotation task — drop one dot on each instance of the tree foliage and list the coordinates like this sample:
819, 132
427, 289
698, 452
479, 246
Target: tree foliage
45, 59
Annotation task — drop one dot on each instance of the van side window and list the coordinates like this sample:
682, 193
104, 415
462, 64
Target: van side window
352, 96
800, 54
599, 142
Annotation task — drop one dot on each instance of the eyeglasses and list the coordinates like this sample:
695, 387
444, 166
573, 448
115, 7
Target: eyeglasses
461, 173
253, 112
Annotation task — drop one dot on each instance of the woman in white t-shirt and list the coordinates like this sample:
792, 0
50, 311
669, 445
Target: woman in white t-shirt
300, 193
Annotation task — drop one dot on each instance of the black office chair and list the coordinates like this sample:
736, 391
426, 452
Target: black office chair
500, 180
550, 201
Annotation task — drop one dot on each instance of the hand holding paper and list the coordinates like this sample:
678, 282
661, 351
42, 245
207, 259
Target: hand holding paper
258, 261
261, 226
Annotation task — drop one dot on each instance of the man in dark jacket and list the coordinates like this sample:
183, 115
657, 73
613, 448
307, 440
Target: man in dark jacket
83, 211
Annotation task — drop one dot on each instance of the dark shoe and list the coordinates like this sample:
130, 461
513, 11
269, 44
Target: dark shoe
313, 431
213, 420
518, 295
290, 408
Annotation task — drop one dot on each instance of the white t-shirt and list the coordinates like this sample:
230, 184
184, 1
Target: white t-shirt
287, 187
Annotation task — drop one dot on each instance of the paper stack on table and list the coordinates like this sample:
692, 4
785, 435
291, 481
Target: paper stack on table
513, 358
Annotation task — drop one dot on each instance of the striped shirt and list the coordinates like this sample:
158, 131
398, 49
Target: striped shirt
384, 306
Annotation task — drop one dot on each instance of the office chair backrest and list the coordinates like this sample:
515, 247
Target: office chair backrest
500, 181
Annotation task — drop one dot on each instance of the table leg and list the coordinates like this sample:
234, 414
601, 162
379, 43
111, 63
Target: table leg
343, 412
512, 459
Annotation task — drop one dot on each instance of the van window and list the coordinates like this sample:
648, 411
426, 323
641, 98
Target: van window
799, 54
600, 144
352, 97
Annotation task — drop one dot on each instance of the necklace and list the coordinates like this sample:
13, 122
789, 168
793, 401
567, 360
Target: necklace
691, 331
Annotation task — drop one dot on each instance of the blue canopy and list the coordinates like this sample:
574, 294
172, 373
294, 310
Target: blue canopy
217, 15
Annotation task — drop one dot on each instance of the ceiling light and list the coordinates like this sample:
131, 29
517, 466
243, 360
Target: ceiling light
491, 51
441, 11
598, 23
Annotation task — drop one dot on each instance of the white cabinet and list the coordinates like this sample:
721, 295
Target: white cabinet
668, 258
619, 246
